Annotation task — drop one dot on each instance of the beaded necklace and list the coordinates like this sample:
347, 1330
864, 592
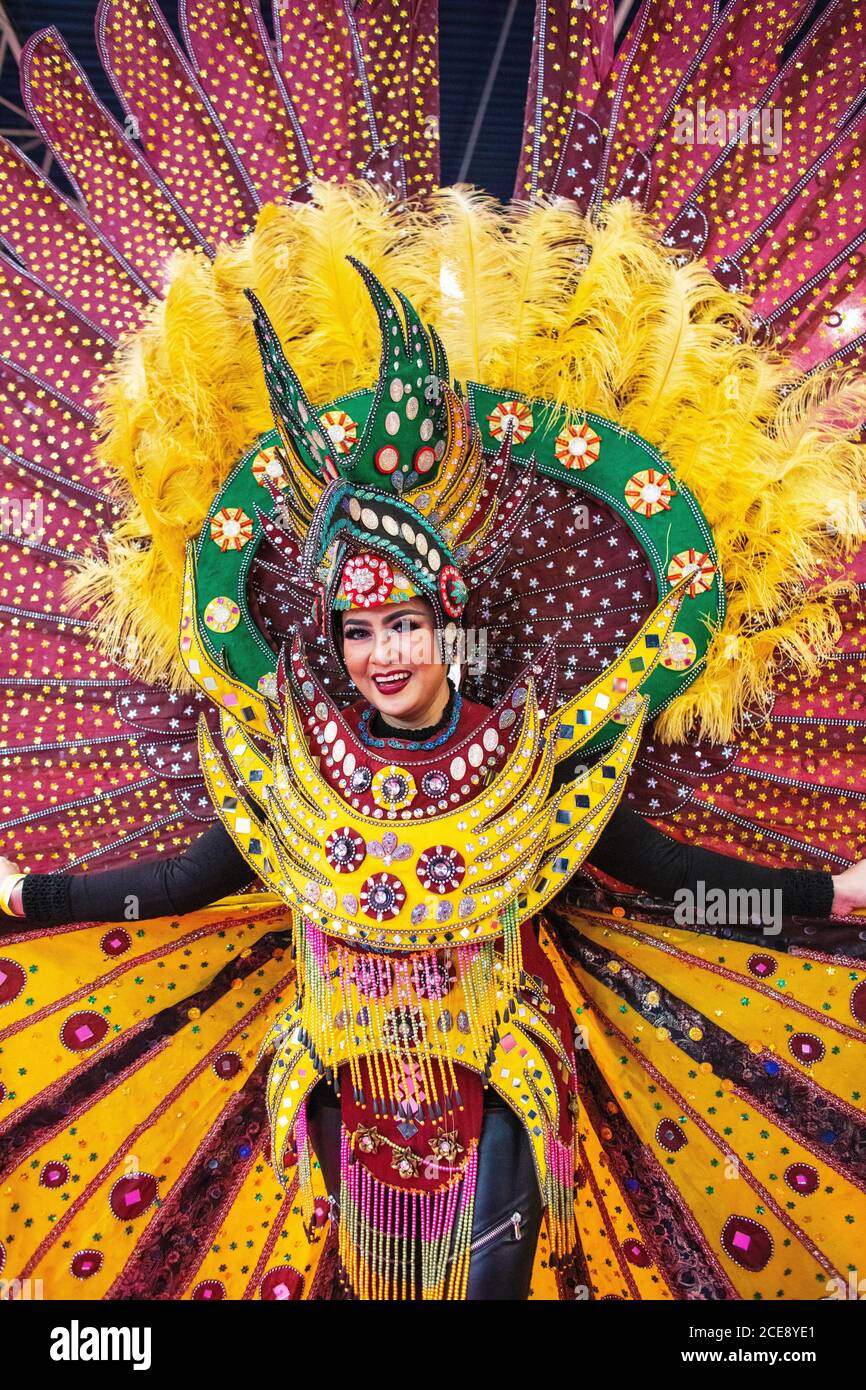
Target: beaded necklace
422, 739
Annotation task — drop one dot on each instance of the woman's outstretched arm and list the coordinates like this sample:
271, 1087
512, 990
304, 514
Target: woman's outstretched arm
210, 869
633, 851
630, 850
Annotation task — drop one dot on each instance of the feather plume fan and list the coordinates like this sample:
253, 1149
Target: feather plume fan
596, 315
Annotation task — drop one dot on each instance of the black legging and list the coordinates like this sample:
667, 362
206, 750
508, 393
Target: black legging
507, 1187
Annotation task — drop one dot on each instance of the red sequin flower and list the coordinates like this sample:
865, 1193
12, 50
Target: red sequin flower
345, 850
367, 580
441, 870
382, 896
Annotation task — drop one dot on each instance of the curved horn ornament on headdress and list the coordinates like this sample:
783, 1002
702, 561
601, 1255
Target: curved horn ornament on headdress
417, 443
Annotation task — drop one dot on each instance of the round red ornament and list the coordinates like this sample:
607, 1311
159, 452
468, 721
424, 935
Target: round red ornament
367, 580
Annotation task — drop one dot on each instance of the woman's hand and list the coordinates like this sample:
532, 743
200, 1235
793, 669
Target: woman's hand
849, 890
7, 869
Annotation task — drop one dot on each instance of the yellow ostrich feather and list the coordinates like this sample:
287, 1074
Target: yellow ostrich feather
596, 315
454, 274
548, 253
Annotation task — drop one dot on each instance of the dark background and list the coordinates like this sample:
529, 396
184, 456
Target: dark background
469, 31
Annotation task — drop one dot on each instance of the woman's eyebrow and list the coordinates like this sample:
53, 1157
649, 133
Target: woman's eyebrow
405, 613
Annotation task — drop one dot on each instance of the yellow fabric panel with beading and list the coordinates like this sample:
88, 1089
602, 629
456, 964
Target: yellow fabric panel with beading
735, 1151
605, 1222
263, 1229
801, 996
168, 1103
74, 974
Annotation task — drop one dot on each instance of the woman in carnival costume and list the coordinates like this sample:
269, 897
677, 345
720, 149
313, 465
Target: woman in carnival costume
423, 1029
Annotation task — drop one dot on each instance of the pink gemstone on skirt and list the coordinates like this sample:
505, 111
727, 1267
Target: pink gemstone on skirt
115, 942
806, 1047
637, 1254
283, 1283
86, 1263
748, 1244
12, 980
209, 1290
54, 1175
762, 966
83, 1030
132, 1195
228, 1064
802, 1178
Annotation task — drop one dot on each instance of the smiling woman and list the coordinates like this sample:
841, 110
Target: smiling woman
394, 660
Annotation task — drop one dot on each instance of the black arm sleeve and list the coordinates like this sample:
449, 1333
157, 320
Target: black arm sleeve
633, 851
210, 869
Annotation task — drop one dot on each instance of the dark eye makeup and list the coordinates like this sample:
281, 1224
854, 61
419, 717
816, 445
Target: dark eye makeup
402, 622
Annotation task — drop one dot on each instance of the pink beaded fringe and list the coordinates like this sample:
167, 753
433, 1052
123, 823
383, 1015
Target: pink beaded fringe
398, 1244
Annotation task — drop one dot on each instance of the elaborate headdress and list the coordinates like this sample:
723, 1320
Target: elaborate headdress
404, 488
371, 510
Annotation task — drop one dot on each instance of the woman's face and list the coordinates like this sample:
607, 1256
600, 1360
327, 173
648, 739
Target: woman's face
392, 655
